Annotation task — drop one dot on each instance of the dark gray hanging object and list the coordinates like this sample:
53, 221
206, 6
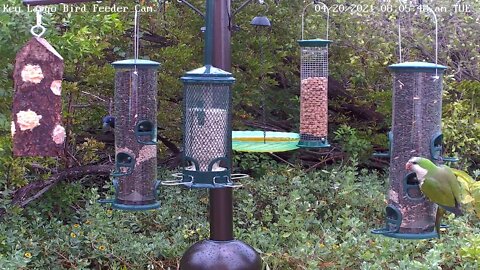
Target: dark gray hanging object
261, 21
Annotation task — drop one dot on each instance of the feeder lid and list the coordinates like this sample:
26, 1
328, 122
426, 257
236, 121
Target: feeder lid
208, 74
254, 141
314, 42
417, 67
261, 21
140, 63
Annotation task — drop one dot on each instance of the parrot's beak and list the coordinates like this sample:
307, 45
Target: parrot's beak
408, 166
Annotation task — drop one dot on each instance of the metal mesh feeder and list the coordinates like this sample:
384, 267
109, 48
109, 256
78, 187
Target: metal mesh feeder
135, 173
417, 110
314, 88
207, 129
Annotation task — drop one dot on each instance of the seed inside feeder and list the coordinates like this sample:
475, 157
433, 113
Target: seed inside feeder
206, 124
314, 92
135, 101
417, 107
314, 108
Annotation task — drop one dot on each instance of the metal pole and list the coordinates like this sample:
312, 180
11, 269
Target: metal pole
221, 200
209, 24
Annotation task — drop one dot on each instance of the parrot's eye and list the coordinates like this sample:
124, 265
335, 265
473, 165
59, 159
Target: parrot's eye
414, 162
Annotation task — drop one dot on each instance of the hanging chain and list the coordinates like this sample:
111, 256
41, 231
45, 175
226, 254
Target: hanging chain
38, 30
264, 109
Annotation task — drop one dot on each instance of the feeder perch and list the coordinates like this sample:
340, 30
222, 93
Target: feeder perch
314, 89
207, 129
135, 174
436, 149
417, 110
386, 154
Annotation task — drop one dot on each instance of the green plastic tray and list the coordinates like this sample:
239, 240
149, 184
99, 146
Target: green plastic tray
260, 142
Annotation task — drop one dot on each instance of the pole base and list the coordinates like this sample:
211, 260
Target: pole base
220, 255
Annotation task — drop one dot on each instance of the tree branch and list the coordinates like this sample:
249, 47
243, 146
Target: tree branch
27, 194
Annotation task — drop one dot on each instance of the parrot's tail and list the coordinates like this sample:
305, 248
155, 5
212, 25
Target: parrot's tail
456, 210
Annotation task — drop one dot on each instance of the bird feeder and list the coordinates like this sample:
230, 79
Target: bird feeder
36, 125
135, 172
417, 112
416, 131
207, 129
314, 87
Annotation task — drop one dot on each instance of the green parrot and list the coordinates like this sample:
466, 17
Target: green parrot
439, 184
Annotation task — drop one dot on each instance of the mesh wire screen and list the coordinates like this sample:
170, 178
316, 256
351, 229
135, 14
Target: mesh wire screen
207, 123
314, 62
314, 93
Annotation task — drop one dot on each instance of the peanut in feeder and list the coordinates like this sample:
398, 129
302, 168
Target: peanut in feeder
314, 86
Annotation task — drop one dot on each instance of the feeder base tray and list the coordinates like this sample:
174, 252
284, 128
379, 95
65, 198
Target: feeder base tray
224, 255
412, 236
264, 142
128, 207
313, 144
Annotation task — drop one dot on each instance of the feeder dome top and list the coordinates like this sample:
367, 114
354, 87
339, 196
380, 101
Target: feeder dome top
314, 42
417, 67
261, 21
140, 63
208, 74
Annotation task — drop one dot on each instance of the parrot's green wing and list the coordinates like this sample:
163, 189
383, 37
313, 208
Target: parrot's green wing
453, 182
438, 192
441, 187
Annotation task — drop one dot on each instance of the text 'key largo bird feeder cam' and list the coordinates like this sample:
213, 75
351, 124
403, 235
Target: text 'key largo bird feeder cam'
416, 129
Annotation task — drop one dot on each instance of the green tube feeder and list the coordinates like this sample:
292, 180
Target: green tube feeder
135, 174
417, 109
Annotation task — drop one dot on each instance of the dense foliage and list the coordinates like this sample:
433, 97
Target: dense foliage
296, 220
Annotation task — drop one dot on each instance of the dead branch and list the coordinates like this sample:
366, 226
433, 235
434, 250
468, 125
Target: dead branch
27, 194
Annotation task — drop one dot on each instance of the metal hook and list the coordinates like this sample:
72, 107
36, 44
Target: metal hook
38, 26
435, 20
316, 3
262, 2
